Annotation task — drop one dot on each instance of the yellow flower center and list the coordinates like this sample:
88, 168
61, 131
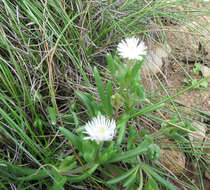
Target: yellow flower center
102, 129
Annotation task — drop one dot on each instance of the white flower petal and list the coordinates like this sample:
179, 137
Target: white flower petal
100, 129
131, 48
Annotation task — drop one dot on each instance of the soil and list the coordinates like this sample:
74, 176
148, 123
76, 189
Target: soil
186, 48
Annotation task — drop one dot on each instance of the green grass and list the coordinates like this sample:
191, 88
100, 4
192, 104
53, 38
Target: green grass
48, 51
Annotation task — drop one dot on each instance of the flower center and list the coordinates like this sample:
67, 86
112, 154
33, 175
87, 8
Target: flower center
132, 47
102, 129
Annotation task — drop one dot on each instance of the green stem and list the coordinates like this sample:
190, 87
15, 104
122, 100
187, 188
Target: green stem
83, 176
143, 111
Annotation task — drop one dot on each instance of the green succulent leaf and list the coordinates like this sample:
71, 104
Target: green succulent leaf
74, 139
151, 184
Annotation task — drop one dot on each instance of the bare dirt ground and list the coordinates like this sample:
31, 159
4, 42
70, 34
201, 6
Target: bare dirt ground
186, 45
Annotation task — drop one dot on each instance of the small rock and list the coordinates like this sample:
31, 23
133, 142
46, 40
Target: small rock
171, 159
174, 161
154, 59
205, 72
198, 135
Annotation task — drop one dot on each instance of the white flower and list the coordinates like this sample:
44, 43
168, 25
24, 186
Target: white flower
132, 48
100, 129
